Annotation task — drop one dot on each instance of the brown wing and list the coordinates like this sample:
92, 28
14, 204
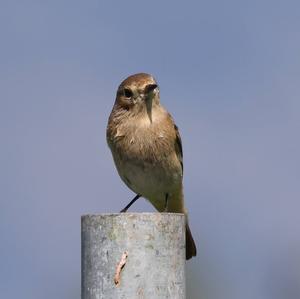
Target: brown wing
178, 146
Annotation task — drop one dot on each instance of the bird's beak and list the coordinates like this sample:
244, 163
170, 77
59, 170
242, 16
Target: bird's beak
149, 88
149, 107
149, 99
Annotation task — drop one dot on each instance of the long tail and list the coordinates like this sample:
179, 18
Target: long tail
176, 205
191, 249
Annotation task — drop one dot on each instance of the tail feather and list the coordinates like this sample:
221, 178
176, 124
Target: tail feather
191, 249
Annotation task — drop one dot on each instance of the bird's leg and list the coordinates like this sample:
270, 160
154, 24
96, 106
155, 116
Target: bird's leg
131, 203
166, 202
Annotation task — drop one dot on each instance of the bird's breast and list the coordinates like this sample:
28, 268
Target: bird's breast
147, 162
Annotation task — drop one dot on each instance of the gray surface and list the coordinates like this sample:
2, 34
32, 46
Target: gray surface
155, 266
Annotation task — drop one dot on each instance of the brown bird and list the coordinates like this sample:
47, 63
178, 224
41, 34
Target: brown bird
146, 148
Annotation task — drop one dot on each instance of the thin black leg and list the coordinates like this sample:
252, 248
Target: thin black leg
131, 203
166, 202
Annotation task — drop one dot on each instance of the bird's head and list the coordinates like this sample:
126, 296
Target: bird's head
138, 93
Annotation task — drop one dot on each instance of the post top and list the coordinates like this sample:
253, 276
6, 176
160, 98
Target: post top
154, 216
132, 214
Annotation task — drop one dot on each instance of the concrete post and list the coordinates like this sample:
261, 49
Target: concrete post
133, 256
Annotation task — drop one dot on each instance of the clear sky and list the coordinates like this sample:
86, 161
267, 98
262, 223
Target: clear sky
229, 73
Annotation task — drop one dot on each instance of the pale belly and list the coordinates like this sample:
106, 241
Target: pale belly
152, 180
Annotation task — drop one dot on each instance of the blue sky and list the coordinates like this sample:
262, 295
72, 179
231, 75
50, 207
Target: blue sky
229, 74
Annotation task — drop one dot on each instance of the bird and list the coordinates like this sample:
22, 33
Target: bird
146, 148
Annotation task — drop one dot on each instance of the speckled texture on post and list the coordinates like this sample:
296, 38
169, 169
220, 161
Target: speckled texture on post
155, 266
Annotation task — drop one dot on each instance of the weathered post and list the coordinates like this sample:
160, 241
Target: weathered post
133, 256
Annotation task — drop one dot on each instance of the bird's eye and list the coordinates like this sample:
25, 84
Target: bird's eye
128, 93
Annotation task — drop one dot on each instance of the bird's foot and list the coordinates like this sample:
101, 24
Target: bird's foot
166, 203
131, 203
